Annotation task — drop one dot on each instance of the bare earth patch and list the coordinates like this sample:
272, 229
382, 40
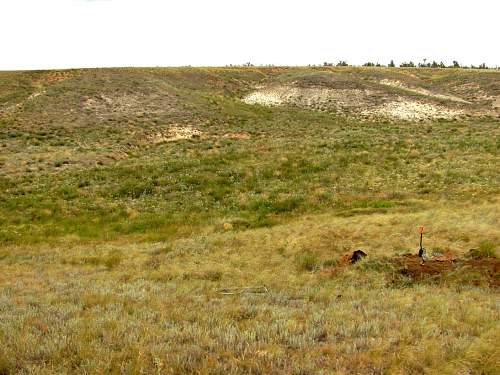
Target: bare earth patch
411, 266
268, 97
105, 105
472, 91
358, 102
413, 110
18, 106
496, 103
241, 136
422, 91
130, 104
310, 97
36, 94
174, 133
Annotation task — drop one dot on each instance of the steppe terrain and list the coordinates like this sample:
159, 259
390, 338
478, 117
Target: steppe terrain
196, 220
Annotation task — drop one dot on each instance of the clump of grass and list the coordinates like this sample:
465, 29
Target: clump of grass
154, 262
462, 277
239, 223
134, 189
92, 260
212, 275
7, 365
486, 249
60, 163
330, 262
85, 260
110, 260
163, 250
113, 259
378, 264
399, 280
4, 254
307, 261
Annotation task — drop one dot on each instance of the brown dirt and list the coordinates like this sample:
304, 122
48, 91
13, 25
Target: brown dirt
410, 264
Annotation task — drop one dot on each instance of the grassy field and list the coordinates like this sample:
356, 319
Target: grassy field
156, 221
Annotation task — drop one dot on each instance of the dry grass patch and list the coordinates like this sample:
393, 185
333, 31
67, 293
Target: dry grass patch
152, 222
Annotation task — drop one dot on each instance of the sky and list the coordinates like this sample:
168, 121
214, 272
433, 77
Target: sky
48, 34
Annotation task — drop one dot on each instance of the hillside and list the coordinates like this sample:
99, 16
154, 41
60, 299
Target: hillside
175, 220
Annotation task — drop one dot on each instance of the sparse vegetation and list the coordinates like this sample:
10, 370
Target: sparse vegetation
486, 249
307, 261
131, 199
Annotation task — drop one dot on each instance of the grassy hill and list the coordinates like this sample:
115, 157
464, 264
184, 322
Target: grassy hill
194, 220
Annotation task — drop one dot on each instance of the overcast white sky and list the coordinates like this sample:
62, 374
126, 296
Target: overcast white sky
97, 33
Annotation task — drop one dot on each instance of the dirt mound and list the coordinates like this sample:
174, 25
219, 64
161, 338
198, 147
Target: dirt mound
410, 265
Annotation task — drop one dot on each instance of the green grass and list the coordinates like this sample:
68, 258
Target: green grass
351, 170
115, 243
486, 249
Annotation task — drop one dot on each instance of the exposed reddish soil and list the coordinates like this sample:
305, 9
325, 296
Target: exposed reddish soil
410, 266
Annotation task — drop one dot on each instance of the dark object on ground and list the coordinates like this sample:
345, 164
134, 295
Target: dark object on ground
352, 257
421, 251
357, 255
421, 255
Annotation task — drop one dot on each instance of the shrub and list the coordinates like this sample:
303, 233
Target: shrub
113, 259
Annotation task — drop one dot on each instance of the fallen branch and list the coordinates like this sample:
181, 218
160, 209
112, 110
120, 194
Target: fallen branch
241, 290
